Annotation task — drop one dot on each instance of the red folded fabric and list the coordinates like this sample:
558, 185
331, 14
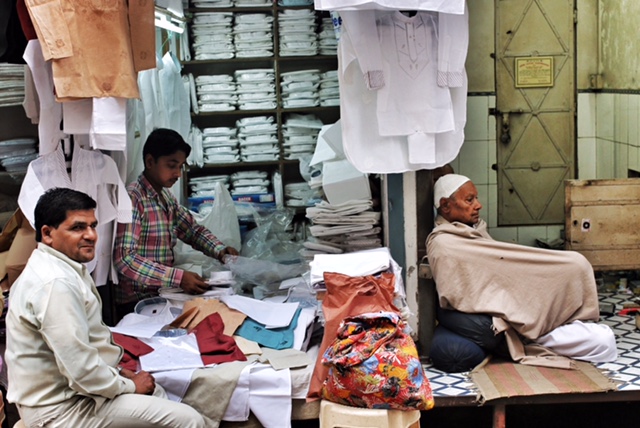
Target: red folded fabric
215, 346
133, 350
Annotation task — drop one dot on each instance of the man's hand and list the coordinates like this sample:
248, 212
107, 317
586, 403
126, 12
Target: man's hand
145, 383
192, 283
230, 251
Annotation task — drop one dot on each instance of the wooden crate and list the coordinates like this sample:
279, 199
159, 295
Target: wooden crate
603, 222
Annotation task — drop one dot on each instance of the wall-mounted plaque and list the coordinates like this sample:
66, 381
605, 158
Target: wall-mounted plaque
534, 72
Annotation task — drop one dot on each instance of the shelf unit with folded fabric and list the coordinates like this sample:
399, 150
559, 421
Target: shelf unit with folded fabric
280, 64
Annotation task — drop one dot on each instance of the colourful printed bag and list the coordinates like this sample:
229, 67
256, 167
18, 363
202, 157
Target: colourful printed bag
374, 364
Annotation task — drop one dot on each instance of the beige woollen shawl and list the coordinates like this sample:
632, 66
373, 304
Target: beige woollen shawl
528, 291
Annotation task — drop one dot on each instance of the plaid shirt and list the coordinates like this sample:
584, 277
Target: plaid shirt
143, 249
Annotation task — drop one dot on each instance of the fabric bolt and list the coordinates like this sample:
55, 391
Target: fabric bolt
402, 121
215, 346
50, 116
143, 249
374, 363
76, 39
59, 348
347, 296
476, 274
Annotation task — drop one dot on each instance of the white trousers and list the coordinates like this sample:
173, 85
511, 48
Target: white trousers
582, 341
124, 411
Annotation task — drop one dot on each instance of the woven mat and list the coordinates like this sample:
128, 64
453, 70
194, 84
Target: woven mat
500, 379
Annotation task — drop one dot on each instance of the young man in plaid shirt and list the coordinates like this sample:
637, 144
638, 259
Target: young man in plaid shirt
143, 249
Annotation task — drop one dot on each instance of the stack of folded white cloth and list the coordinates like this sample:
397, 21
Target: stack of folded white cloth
256, 89
351, 226
297, 32
220, 145
253, 35
11, 84
258, 138
301, 195
15, 154
329, 92
212, 3
253, 3
216, 93
205, 185
300, 133
300, 88
249, 183
212, 36
327, 41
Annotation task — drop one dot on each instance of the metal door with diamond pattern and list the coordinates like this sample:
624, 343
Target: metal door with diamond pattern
535, 121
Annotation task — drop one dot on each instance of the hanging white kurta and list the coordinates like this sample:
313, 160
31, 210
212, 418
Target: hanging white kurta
97, 175
49, 133
414, 116
93, 173
446, 6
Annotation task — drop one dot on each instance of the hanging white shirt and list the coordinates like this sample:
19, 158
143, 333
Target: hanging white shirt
407, 61
174, 97
97, 175
445, 6
49, 133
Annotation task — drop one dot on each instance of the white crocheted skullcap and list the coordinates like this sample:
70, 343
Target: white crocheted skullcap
447, 186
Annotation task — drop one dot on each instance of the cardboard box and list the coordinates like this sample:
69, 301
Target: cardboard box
21, 248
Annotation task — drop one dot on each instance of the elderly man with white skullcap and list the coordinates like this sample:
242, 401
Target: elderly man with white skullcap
543, 302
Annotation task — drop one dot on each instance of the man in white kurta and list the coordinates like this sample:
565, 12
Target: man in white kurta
544, 301
61, 359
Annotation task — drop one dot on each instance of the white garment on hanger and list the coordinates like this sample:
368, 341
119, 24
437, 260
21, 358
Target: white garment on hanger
49, 133
109, 124
151, 95
136, 136
31, 103
445, 6
174, 98
97, 175
375, 139
44, 173
77, 116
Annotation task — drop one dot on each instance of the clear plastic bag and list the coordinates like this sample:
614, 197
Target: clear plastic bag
222, 220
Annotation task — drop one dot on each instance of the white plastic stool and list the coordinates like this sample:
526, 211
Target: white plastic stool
19, 424
334, 415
